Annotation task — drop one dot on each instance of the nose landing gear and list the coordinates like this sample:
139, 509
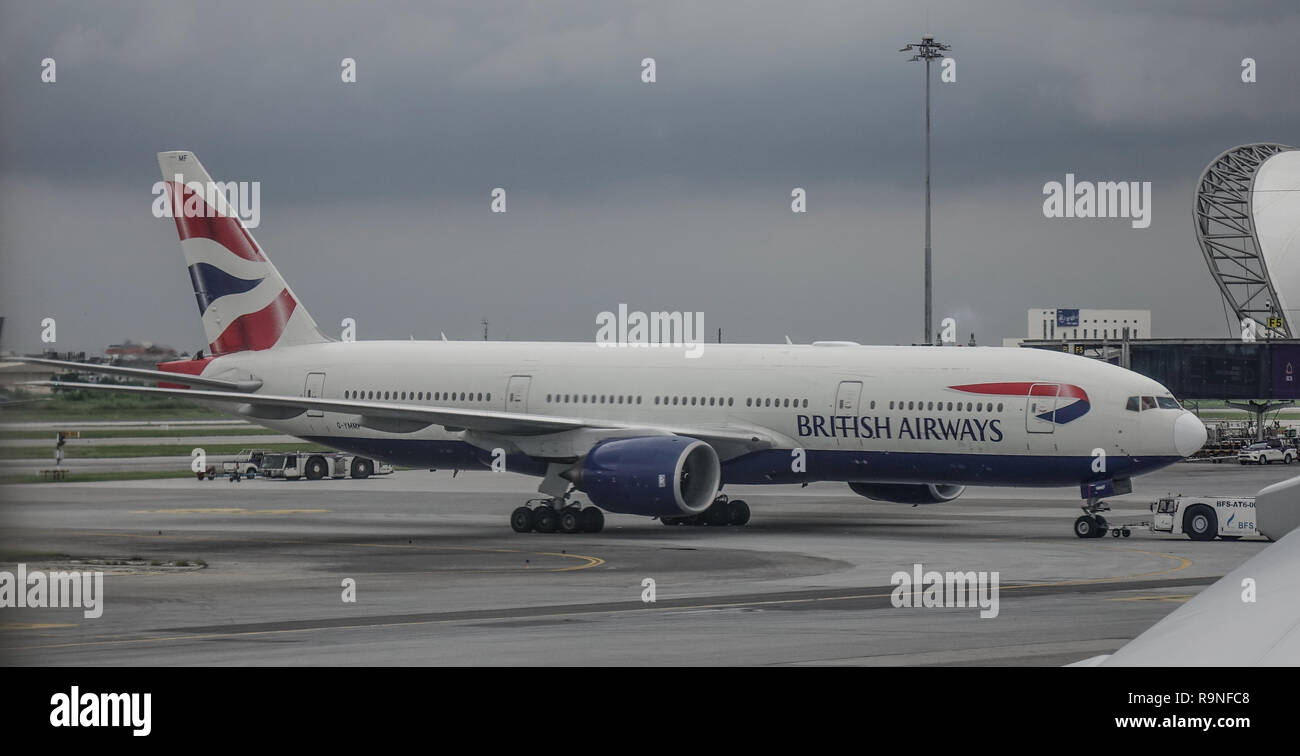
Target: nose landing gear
1091, 524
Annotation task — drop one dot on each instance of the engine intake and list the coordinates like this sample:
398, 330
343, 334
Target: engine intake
908, 493
650, 475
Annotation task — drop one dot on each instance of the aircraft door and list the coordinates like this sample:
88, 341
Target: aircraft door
1040, 407
517, 393
314, 388
847, 398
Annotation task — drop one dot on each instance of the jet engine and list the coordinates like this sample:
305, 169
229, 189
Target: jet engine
649, 475
908, 493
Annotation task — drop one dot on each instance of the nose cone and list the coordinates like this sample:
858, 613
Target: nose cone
1189, 434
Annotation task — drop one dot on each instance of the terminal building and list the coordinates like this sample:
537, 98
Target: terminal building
1053, 323
1247, 215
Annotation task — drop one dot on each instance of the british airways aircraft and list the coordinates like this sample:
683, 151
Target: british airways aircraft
647, 431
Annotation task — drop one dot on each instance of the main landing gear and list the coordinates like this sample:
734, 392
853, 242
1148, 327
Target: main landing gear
556, 516
722, 511
1091, 524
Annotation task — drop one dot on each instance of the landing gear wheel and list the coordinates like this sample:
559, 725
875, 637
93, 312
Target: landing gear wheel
593, 520
569, 520
1085, 526
1200, 523
737, 512
716, 514
544, 520
1101, 527
1125, 532
522, 520
670, 520
1114, 533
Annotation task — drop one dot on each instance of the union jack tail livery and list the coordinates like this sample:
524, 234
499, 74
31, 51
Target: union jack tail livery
244, 302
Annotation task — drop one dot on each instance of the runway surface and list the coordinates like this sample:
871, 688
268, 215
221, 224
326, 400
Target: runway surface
441, 579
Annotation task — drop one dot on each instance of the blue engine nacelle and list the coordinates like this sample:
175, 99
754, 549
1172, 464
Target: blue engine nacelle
650, 475
908, 493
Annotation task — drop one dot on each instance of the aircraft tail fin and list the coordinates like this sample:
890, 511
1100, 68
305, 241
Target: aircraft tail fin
243, 300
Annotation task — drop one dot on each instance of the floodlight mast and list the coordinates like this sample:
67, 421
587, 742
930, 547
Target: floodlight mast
927, 50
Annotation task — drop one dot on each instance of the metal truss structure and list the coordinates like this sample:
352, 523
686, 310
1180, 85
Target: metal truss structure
1225, 229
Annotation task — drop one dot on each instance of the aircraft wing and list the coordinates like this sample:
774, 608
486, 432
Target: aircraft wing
183, 379
1220, 627
398, 417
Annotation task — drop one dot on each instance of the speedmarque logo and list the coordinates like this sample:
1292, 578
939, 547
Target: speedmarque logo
77, 709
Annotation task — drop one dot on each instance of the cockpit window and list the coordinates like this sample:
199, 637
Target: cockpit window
1149, 402
1168, 402
1132, 405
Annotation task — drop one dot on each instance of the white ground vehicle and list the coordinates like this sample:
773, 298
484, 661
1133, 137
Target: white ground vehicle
246, 464
1202, 518
1266, 453
318, 465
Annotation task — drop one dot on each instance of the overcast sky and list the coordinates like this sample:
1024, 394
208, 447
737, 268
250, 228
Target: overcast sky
667, 196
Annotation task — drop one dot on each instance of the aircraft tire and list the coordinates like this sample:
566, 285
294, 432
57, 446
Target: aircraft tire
521, 520
544, 520
593, 520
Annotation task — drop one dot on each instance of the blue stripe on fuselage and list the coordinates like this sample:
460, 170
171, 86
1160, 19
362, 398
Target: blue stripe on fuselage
773, 465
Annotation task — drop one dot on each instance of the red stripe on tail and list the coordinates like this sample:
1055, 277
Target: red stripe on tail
228, 232
257, 330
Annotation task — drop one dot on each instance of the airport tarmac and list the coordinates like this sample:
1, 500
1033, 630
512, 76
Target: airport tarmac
441, 579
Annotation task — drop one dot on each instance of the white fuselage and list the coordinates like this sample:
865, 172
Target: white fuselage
887, 414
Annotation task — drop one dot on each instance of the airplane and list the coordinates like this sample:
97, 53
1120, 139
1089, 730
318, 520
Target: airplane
646, 430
